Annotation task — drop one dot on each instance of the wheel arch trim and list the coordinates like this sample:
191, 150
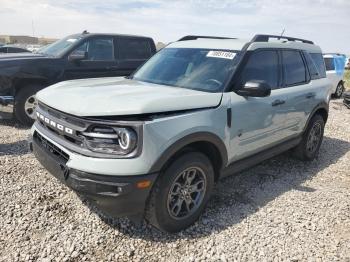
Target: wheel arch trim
186, 141
320, 106
25, 82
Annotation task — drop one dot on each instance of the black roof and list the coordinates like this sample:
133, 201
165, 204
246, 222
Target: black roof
85, 33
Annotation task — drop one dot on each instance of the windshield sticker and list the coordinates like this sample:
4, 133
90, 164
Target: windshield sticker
72, 40
221, 54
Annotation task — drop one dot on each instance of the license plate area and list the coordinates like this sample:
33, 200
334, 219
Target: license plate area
51, 157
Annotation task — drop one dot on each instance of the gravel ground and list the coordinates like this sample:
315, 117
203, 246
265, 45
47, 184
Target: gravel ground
283, 209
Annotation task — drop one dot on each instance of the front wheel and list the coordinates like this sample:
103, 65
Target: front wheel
339, 91
309, 146
181, 193
26, 103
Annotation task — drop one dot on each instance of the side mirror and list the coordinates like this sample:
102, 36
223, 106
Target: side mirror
77, 56
255, 89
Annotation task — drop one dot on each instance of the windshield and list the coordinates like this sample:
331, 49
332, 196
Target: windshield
199, 69
59, 47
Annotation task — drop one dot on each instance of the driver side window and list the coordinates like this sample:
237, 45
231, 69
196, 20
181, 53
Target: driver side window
97, 49
262, 66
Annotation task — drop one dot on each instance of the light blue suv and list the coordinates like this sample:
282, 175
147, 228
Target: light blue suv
153, 145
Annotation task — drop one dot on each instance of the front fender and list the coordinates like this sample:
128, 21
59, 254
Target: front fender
187, 140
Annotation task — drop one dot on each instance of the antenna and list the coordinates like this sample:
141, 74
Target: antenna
283, 32
33, 27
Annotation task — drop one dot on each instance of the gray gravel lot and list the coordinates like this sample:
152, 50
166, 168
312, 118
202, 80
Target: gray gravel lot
282, 209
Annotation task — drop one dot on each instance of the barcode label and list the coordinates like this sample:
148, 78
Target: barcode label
221, 54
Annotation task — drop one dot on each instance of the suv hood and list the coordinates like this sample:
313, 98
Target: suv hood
119, 96
20, 56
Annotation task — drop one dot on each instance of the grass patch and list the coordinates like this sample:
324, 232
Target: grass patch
347, 79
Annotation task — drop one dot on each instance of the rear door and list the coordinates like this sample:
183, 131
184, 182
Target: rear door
132, 52
300, 90
100, 59
258, 122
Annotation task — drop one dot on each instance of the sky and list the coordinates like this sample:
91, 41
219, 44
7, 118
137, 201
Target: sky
326, 22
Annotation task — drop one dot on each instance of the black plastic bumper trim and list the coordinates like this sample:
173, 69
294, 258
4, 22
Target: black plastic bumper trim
116, 196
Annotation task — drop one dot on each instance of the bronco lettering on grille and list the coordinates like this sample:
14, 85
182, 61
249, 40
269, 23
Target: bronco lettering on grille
55, 125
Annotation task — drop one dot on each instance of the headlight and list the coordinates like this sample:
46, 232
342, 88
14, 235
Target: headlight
111, 140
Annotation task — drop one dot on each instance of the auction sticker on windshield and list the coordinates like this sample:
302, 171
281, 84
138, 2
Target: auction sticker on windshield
221, 54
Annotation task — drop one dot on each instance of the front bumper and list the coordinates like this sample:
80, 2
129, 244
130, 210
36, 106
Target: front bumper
6, 107
346, 101
116, 196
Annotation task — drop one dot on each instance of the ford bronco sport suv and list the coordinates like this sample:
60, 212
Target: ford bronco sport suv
153, 145
85, 55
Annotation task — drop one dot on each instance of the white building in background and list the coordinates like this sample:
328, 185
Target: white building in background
18, 39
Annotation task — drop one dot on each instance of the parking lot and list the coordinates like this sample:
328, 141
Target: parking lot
282, 209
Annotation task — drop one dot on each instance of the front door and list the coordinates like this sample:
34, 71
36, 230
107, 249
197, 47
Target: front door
258, 122
100, 60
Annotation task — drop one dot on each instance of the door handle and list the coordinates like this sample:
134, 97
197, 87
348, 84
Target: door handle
278, 102
310, 95
112, 67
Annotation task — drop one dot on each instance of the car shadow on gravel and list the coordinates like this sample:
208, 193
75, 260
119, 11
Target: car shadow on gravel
12, 123
239, 196
18, 148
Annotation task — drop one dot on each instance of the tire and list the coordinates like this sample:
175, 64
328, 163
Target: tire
164, 210
24, 98
308, 148
339, 91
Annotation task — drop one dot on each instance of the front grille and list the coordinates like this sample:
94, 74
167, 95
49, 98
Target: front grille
78, 134
73, 123
75, 139
56, 151
62, 116
347, 99
346, 95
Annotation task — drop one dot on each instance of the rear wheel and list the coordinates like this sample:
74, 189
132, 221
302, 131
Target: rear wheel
312, 139
26, 103
181, 193
339, 91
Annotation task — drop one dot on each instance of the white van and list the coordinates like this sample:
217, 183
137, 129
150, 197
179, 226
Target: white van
335, 64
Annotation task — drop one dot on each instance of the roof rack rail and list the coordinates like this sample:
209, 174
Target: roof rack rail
339, 54
265, 38
195, 37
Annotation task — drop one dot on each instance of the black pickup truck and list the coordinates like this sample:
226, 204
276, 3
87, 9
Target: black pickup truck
77, 56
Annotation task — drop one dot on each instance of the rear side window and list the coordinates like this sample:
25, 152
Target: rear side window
314, 73
16, 50
294, 68
133, 48
262, 66
329, 62
319, 63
